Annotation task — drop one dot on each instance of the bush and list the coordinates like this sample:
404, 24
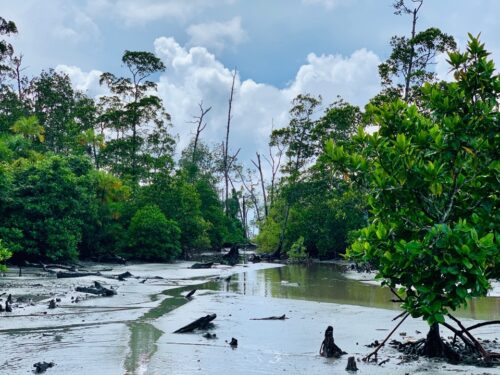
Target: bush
297, 253
153, 236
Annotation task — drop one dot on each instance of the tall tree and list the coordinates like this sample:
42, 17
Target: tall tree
131, 108
297, 136
7, 28
408, 66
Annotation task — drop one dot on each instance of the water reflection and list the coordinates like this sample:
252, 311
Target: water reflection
326, 283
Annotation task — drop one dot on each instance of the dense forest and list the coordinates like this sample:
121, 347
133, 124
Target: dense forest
97, 177
92, 178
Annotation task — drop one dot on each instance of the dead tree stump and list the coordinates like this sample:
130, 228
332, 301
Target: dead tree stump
42, 366
328, 348
351, 364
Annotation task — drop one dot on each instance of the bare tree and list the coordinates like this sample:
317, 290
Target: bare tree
274, 162
200, 126
249, 186
17, 75
226, 143
258, 165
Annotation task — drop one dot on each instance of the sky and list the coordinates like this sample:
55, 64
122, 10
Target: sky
280, 48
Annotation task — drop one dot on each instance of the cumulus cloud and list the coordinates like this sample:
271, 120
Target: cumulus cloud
217, 35
195, 75
87, 82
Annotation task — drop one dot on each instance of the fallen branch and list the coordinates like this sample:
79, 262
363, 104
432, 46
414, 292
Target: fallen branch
201, 323
67, 275
98, 289
282, 317
367, 358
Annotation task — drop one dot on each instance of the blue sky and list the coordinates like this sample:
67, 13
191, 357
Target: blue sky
280, 48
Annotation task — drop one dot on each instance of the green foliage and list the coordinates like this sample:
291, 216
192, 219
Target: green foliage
432, 186
7, 28
153, 236
297, 136
297, 252
315, 204
55, 204
44, 215
29, 128
268, 237
4, 255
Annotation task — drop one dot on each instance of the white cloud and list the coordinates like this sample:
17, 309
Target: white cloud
217, 35
87, 82
141, 12
195, 74
355, 78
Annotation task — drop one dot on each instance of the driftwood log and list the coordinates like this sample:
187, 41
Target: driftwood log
328, 347
282, 317
190, 294
124, 276
202, 265
97, 289
67, 275
201, 323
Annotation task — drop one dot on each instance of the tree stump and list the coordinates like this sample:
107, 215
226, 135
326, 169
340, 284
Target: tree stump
233, 257
351, 364
42, 366
328, 348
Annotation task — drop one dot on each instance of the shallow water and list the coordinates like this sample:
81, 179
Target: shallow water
326, 283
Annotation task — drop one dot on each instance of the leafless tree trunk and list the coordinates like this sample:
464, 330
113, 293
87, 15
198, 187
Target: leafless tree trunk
258, 165
274, 162
200, 126
17, 71
226, 143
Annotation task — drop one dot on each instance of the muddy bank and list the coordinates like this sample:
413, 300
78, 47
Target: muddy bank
288, 346
95, 333
131, 332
